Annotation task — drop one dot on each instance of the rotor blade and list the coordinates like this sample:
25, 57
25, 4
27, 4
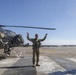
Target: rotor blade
28, 27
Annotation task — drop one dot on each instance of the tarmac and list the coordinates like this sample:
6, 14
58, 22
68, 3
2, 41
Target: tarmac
53, 61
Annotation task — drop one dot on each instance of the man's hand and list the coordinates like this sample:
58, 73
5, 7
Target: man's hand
27, 34
46, 34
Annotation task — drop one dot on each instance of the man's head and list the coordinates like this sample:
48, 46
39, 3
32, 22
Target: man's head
36, 36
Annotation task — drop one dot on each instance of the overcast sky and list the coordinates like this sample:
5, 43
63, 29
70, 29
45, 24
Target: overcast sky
59, 14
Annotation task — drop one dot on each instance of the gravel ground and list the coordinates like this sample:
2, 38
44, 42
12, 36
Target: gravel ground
53, 61
49, 51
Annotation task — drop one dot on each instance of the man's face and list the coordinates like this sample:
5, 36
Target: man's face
36, 36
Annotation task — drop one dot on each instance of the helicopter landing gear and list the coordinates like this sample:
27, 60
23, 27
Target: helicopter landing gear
7, 50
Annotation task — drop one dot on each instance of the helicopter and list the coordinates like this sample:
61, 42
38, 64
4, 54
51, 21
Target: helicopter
9, 39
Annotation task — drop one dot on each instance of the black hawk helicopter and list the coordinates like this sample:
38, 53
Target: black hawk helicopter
9, 39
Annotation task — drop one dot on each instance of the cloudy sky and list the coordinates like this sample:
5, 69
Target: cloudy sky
59, 14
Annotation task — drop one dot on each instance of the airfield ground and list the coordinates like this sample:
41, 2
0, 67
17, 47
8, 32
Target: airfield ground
53, 61
48, 51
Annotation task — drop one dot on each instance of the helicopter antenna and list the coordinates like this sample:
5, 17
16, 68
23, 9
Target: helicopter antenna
28, 27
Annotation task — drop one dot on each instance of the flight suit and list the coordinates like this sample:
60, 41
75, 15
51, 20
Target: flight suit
36, 46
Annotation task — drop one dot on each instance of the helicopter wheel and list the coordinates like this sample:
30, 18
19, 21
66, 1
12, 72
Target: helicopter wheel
8, 54
7, 50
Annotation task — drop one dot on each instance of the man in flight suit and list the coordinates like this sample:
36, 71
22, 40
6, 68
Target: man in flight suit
36, 46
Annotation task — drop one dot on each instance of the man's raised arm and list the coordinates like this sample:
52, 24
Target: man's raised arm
44, 37
28, 36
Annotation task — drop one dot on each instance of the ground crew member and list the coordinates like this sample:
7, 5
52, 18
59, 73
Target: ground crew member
36, 46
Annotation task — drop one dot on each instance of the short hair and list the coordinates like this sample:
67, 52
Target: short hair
36, 34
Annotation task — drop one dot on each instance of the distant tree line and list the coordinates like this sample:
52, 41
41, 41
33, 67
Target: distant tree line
27, 45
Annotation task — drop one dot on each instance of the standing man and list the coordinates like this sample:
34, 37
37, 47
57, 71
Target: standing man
36, 46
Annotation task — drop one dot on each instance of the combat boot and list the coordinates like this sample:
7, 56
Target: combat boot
37, 65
